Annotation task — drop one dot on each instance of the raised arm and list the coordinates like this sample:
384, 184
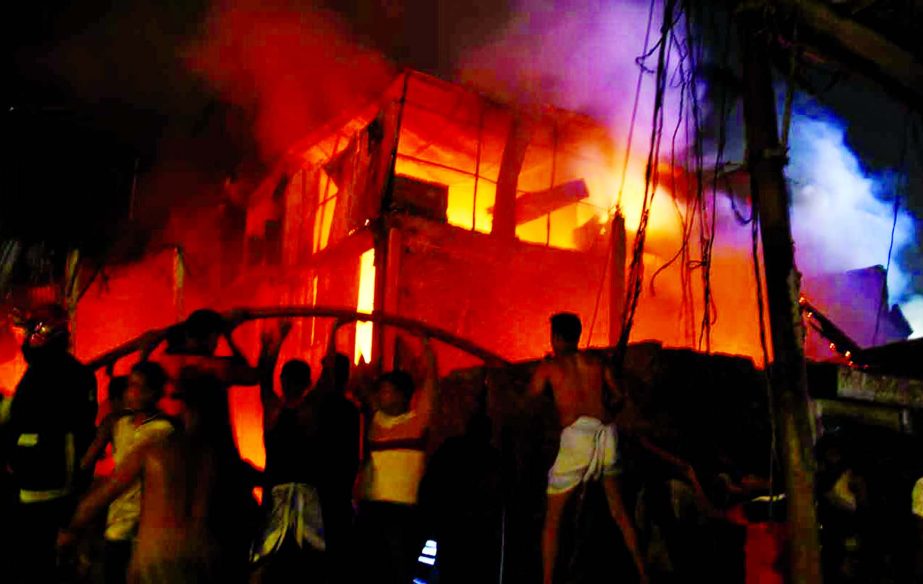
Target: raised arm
682, 468
615, 396
540, 379
270, 345
430, 387
326, 382
240, 373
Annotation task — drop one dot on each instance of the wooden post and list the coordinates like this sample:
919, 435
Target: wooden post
514, 154
617, 277
390, 303
789, 379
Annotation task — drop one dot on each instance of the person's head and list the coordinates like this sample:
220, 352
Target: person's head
393, 392
116, 392
203, 329
46, 331
565, 332
295, 378
145, 386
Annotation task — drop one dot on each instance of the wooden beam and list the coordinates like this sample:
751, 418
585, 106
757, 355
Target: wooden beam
345, 315
860, 48
881, 389
789, 377
514, 155
533, 205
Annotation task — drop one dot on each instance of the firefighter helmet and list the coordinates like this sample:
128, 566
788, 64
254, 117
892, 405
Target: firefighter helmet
45, 324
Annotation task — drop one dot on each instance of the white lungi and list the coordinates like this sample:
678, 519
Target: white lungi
588, 451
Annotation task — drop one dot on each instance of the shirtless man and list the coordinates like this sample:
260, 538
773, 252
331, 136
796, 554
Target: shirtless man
185, 485
580, 383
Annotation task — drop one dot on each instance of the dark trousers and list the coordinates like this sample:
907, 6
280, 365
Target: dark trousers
338, 534
117, 558
389, 541
35, 533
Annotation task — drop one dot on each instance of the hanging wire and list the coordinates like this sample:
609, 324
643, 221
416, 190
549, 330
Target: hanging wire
764, 347
634, 109
901, 186
673, 165
645, 53
707, 228
651, 178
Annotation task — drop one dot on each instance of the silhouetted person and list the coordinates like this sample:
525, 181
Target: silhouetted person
582, 384
387, 528
291, 540
340, 432
192, 348
52, 422
188, 531
461, 499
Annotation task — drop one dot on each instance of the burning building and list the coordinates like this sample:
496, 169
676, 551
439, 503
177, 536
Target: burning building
439, 204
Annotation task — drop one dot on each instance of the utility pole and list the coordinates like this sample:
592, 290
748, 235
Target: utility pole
770, 194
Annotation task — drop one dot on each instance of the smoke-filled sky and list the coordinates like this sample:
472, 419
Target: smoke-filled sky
198, 88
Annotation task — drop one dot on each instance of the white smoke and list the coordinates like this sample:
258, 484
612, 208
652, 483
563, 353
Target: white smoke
841, 216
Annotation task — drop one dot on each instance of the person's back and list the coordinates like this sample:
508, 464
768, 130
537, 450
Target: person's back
174, 532
577, 380
588, 450
190, 527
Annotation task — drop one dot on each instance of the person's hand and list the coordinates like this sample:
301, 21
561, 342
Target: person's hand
272, 338
285, 327
234, 318
149, 340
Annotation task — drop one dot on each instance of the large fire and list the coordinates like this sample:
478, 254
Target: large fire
453, 139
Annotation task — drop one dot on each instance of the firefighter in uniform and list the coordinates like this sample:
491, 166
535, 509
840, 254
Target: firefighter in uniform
51, 423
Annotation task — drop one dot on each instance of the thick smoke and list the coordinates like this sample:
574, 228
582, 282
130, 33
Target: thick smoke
296, 67
583, 57
842, 214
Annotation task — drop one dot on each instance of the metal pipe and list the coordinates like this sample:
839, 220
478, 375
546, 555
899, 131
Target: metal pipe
345, 315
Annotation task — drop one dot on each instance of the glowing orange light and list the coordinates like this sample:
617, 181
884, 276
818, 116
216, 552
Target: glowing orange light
365, 303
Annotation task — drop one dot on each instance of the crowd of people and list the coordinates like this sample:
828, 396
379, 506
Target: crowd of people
349, 493
178, 505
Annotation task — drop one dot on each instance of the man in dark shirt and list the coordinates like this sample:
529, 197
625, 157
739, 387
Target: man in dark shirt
292, 537
339, 430
461, 498
52, 422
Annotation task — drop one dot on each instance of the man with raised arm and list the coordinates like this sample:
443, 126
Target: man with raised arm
582, 384
292, 536
388, 524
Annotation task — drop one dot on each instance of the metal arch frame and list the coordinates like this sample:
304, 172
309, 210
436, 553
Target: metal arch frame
345, 315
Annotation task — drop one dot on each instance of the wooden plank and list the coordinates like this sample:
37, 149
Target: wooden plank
895, 419
533, 205
770, 195
881, 389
